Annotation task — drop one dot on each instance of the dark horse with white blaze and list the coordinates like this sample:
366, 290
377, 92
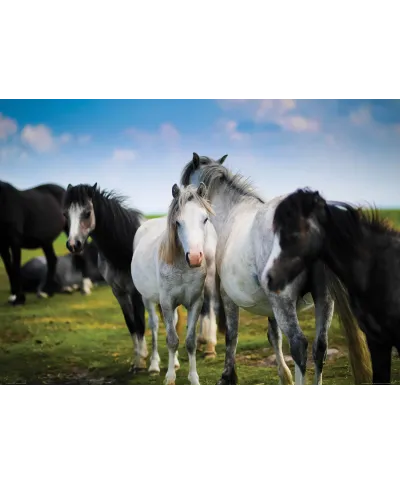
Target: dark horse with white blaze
29, 219
243, 221
361, 248
112, 225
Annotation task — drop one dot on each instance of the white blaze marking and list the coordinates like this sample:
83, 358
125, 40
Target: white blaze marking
275, 252
74, 222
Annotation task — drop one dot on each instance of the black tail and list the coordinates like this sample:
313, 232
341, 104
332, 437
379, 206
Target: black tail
359, 356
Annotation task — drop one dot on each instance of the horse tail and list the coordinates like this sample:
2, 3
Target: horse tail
180, 325
221, 316
359, 356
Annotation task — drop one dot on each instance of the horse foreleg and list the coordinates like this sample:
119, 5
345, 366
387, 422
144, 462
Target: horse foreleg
169, 315
139, 344
153, 324
193, 316
5, 255
16, 272
208, 321
286, 317
275, 339
231, 338
51, 258
381, 358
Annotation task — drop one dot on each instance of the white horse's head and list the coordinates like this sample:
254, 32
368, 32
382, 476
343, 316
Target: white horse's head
191, 173
187, 225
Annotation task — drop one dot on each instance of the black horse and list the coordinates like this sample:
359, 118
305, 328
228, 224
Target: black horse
361, 248
112, 226
29, 219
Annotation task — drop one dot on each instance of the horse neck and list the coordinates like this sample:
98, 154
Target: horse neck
224, 203
110, 233
348, 258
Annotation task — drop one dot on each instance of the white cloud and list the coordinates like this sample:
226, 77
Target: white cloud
259, 109
166, 133
278, 111
8, 127
361, 117
230, 128
65, 138
41, 138
123, 155
38, 137
12, 153
83, 139
299, 124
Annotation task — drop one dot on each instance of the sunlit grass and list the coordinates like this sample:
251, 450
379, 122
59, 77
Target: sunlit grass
78, 339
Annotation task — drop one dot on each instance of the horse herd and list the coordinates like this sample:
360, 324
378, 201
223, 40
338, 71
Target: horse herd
220, 248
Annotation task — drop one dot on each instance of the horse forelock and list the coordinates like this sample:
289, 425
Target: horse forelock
169, 248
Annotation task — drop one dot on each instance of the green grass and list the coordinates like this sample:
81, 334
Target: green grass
78, 339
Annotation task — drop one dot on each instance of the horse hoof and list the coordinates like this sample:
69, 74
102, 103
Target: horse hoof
42, 294
17, 301
210, 356
154, 368
169, 382
230, 380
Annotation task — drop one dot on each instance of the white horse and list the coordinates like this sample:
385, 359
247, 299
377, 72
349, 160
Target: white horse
246, 249
174, 264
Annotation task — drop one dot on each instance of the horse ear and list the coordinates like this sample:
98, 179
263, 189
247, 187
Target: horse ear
222, 159
196, 160
201, 190
69, 187
175, 191
94, 187
318, 201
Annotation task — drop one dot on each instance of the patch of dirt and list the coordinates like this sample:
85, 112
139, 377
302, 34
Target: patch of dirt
77, 378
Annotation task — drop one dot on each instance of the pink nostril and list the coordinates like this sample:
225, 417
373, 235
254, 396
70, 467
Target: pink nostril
194, 259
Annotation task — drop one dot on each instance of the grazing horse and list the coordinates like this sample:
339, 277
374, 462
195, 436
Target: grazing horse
112, 225
68, 275
29, 219
174, 264
361, 248
243, 222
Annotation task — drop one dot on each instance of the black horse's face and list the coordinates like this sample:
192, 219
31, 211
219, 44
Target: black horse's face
298, 240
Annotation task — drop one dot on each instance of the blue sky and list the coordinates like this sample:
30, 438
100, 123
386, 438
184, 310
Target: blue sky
347, 149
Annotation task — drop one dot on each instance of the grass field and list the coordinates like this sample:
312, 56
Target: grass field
75, 339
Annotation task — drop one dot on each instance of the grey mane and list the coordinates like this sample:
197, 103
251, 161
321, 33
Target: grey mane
213, 175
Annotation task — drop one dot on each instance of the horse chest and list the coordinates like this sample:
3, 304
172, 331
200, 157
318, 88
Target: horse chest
183, 287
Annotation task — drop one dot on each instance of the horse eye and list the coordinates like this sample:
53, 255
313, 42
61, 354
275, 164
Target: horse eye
205, 220
178, 223
86, 215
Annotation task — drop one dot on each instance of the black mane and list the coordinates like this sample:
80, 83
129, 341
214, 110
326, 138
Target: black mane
116, 223
349, 221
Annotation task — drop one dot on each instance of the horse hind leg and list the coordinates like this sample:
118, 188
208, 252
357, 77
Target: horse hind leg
275, 339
